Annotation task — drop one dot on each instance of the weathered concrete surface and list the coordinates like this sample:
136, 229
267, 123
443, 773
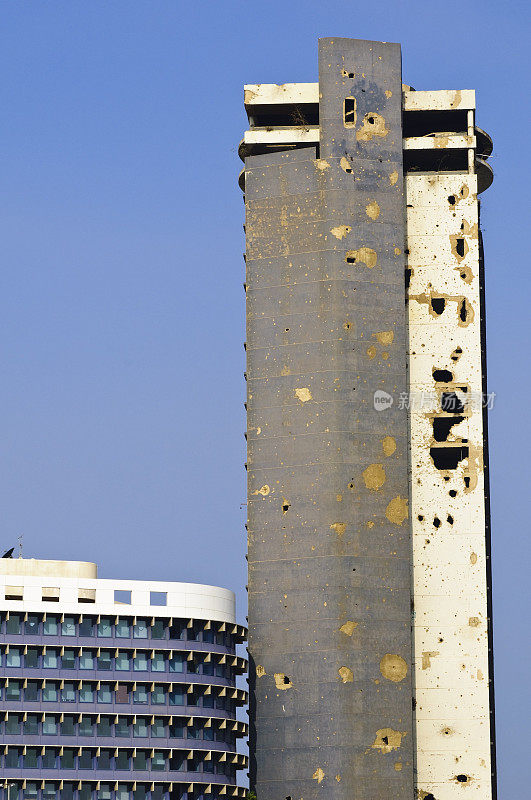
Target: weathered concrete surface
329, 530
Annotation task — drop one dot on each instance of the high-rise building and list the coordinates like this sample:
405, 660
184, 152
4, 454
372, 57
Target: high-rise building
368, 518
116, 689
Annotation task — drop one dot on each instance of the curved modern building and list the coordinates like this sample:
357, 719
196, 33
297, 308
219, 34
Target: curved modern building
116, 690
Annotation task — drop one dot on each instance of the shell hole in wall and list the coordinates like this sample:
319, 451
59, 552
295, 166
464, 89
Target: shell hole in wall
442, 375
456, 354
438, 304
451, 403
452, 493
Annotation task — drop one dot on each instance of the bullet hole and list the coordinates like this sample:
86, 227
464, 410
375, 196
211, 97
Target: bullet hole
288, 797
441, 639
436, 522
448, 457
461, 778
420, 517
285, 507
442, 375
286, 680
442, 427
350, 259
438, 304
408, 277
370, 120
385, 739
447, 731
456, 354
414, 702
429, 796
351, 486
463, 310
451, 403
446, 478
467, 481
406, 251
286, 330
452, 493
450, 519
452, 199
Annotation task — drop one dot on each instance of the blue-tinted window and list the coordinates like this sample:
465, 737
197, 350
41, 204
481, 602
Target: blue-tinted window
67, 792
140, 760
123, 629
140, 793
105, 726
50, 692
105, 627
104, 759
158, 629
140, 728
158, 696
68, 692
122, 760
13, 690
87, 659
86, 726
14, 623
140, 662
157, 728
68, 627
104, 792
177, 729
14, 657
140, 694
121, 728
12, 757
122, 793
31, 725
68, 726
68, 758
140, 630
31, 789
158, 663
13, 724
50, 658
85, 793
49, 758
49, 725
86, 693
104, 693
31, 758
176, 663
104, 660
158, 761
50, 791
51, 625
121, 661
177, 697
85, 760
86, 627
31, 692
68, 659
122, 596
158, 598
31, 626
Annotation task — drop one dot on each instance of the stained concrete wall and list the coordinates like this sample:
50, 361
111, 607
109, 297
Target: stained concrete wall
329, 532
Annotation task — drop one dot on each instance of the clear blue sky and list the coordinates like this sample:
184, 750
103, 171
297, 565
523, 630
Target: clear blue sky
121, 300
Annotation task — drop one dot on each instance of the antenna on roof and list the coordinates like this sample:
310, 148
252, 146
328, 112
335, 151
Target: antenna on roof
20, 542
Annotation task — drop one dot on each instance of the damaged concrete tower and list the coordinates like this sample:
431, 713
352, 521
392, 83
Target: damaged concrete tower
369, 582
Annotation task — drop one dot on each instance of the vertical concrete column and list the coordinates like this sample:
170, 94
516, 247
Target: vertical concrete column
329, 531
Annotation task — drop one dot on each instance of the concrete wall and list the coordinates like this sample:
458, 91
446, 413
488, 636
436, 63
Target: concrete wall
451, 625
329, 532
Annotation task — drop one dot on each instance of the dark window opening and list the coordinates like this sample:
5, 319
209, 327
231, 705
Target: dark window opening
442, 427
448, 457
426, 123
349, 112
451, 403
436, 160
